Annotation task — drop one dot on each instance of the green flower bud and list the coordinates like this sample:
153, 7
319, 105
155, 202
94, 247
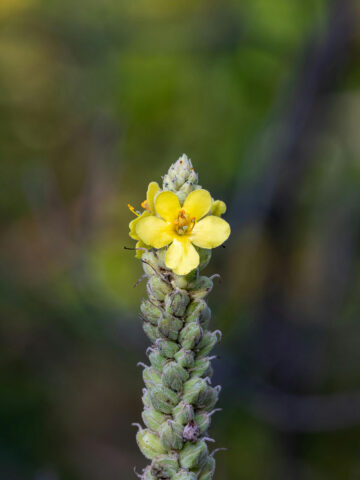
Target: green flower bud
181, 178
165, 466
183, 413
157, 288
176, 302
171, 435
174, 376
203, 420
202, 368
190, 335
167, 348
179, 281
149, 443
146, 399
151, 377
201, 287
153, 419
205, 257
157, 360
198, 393
150, 263
185, 358
184, 475
150, 312
170, 326
193, 455
198, 311
208, 470
151, 331
207, 343
163, 399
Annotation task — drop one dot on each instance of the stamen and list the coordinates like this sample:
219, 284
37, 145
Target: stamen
132, 209
145, 205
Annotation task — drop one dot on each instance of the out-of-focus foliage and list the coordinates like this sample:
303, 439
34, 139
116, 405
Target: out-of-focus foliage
97, 98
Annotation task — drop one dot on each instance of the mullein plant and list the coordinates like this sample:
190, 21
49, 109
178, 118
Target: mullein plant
179, 226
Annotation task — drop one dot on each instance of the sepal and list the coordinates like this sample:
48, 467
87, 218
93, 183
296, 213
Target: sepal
193, 455
149, 443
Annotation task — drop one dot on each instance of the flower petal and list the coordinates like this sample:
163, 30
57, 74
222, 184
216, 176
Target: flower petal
197, 203
152, 190
139, 245
210, 232
218, 208
181, 257
167, 205
132, 225
153, 231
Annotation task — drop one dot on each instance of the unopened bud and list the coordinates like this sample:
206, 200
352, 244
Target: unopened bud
170, 326
151, 331
150, 312
150, 264
153, 419
171, 435
146, 399
157, 288
174, 376
190, 335
147, 475
207, 343
203, 420
157, 360
191, 432
163, 399
201, 287
185, 358
149, 443
167, 348
198, 393
193, 455
183, 413
208, 470
176, 302
202, 368
151, 377
165, 466
198, 311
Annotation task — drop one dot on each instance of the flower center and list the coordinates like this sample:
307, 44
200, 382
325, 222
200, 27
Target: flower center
184, 223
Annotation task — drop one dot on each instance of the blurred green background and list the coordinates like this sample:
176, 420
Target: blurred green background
99, 97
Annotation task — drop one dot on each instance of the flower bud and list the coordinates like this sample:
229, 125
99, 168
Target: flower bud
149, 443
191, 432
150, 263
167, 348
183, 413
179, 173
176, 302
198, 393
174, 376
163, 399
165, 466
185, 358
179, 281
157, 288
170, 326
203, 420
157, 360
193, 455
171, 435
151, 377
150, 312
184, 475
205, 257
151, 331
201, 287
207, 343
153, 419
208, 470
190, 335
198, 311
146, 399
202, 368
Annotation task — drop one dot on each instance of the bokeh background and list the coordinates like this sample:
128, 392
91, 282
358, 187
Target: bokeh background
97, 98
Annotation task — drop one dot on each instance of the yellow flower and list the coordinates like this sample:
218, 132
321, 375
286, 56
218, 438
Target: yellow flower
149, 207
182, 227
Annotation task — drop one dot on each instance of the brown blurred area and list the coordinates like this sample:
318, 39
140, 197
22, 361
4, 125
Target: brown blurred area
98, 98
